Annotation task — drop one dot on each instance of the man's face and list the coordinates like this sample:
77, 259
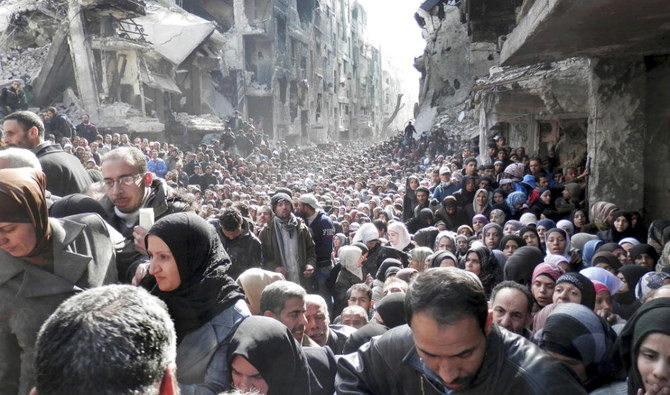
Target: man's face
471, 168
293, 316
317, 323
84, 118
283, 210
510, 310
298, 208
534, 166
453, 352
359, 298
445, 178
15, 136
422, 197
232, 234
352, 319
127, 198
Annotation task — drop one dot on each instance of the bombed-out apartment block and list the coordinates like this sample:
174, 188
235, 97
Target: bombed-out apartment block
303, 70
588, 80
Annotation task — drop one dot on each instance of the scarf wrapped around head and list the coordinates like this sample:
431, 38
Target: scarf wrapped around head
651, 317
205, 289
601, 275
607, 258
600, 211
521, 265
350, 260
566, 251
476, 207
590, 248
23, 200
584, 285
649, 282
663, 259
253, 281
575, 331
449, 235
403, 235
515, 199
643, 249
270, 347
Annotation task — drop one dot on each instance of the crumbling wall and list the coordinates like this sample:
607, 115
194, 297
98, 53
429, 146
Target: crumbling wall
656, 142
617, 131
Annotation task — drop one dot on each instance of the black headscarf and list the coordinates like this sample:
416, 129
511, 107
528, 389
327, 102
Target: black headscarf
386, 264
489, 272
519, 267
392, 309
205, 290
426, 237
75, 203
363, 336
643, 249
626, 303
651, 317
584, 285
270, 347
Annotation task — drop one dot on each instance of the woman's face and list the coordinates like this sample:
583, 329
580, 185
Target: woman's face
492, 238
470, 185
465, 231
579, 219
162, 264
337, 242
481, 199
447, 262
645, 260
477, 225
414, 264
603, 303
493, 217
509, 230
445, 244
17, 239
510, 247
624, 286
567, 293
472, 263
246, 377
621, 223
543, 290
556, 243
462, 244
653, 363
413, 184
541, 230
546, 197
394, 237
531, 239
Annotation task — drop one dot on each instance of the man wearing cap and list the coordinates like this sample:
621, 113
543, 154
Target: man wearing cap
322, 230
287, 245
446, 187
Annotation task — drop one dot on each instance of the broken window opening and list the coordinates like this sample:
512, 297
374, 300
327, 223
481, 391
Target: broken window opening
306, 10
281, 33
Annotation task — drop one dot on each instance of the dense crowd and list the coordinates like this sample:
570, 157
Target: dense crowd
413, 265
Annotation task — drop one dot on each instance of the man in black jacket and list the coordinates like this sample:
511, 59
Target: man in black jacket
450, 345
65, 174
12, 98
242, 246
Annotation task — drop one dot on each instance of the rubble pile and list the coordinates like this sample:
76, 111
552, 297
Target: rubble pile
22, 64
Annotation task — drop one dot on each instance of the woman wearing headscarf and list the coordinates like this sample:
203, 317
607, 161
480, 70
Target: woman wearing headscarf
426, 237
606, 260
530, 236
520, 265
466, 194
625, 301
557, 242
575, 288
601, 214
399, 237
515, 202
644, 255
620, 228
497, 216
543, 284
590, 248
511, 227
509, 244
642, 348
663, 260
409, 201
491, 235
649, 282
443, 259
480, 204
189, 265
264, 357
253, 281
580, 220
351, 272
44, 261
418, 257
445, 241
542, 227
658, 232
543, 202
575, 334
480, 261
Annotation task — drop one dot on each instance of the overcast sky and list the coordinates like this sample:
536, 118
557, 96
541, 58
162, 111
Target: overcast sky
391, 23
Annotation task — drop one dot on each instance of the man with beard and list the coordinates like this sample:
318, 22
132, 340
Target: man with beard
451, 344
285, 302
129, 186
287, 245
322, 230
318, 326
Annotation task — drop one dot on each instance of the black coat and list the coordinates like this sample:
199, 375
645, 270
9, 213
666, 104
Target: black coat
245, 250
65, 173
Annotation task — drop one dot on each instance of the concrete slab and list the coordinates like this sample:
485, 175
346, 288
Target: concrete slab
174, 35
558, 29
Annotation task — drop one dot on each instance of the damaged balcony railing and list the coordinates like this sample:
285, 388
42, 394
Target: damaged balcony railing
128, 28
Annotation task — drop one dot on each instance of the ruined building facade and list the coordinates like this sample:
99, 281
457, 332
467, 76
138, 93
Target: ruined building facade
303, 70
586, 79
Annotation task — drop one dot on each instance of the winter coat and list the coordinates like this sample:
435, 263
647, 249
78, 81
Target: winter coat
245, 250
65, 173
390, 365
272, 254
202, 360
83, 257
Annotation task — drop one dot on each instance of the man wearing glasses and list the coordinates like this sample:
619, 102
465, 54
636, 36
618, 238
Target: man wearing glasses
129, 186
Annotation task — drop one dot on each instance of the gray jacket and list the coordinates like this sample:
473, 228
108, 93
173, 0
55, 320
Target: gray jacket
83, 257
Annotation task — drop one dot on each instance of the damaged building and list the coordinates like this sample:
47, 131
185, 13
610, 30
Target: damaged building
586, 79
304, 71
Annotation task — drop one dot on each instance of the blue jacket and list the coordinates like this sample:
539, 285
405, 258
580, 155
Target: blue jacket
439, 194
157, 167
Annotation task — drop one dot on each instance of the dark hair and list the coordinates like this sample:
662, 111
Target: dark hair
360, 287
242, 207
27, 120
275, 295
471, 159
230, 220
116, 339
448, 295
381, 225
518, 287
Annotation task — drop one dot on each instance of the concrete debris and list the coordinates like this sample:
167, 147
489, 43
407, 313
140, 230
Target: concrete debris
22, 64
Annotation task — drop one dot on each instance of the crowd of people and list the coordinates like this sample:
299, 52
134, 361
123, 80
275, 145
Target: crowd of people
410, 266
